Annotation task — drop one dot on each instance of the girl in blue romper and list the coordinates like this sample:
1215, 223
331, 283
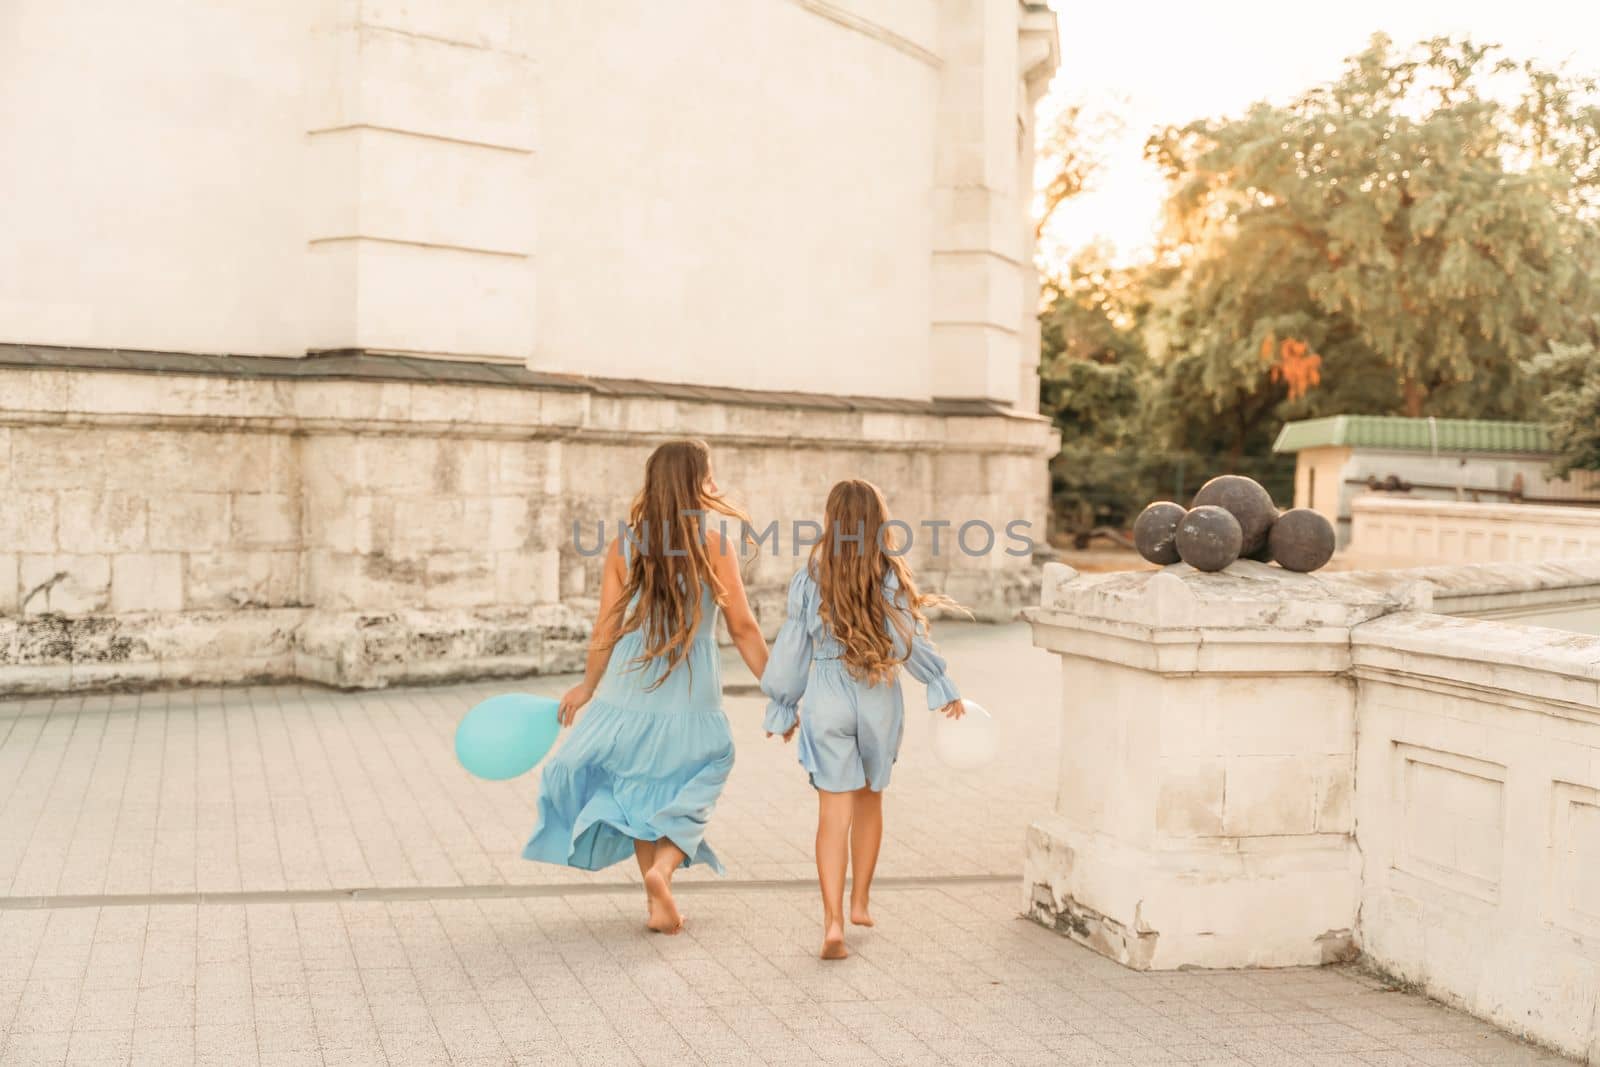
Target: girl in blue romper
854, 617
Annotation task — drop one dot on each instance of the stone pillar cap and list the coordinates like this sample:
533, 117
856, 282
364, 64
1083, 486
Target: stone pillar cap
1247, 595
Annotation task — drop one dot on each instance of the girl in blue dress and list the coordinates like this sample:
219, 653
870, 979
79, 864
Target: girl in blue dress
855, 617
642, 771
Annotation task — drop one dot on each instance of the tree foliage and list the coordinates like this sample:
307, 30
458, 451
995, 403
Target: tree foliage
1419, 236
1570, 375
1092, 371
1423, 224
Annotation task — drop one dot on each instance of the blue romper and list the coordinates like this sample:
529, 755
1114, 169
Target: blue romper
850, 733
641, 764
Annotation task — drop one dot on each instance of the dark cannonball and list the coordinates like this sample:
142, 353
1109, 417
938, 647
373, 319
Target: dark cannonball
1209, 538
1247, 500
1264, 553
1155, 532
1302, 540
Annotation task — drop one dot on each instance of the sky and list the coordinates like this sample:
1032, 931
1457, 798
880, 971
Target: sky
1156, 62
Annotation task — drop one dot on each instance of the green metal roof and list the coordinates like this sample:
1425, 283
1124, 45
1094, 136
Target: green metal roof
1398, 433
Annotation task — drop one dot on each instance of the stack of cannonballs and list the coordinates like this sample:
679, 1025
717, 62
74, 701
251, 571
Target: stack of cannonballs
1233, 517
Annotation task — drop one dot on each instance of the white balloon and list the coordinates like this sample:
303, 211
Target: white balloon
967, 743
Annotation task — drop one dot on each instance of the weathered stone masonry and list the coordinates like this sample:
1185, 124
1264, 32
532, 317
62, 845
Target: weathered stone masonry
1264, 769
359, 521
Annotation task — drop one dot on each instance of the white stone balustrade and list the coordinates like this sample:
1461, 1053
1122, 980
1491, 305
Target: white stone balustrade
1267, 769
1399, 531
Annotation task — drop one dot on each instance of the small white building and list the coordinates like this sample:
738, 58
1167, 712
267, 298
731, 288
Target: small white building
1343, 456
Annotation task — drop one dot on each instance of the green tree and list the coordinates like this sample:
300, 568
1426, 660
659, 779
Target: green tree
1570, 375
1094, 383
1399, 240
1092, 356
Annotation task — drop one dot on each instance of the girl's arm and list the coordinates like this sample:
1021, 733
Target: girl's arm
604, 638
925, 664
742, 625
784, 680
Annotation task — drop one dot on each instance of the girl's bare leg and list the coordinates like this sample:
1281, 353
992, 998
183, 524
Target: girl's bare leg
833, 854
866, 837
664, 915
644, 852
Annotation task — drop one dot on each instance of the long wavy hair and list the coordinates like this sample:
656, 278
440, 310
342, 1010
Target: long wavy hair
670, 564
851, 564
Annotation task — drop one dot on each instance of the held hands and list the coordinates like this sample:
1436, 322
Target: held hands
572, 700
953, 710
788, 735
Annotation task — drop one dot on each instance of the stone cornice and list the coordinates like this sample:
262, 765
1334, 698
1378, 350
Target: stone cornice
1257, 620
361, 366
1483, 590
1529, 667
389, 396
872, 30
1195, 650
1040, 48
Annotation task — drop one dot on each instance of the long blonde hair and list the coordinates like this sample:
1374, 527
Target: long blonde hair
669, 564
851, 565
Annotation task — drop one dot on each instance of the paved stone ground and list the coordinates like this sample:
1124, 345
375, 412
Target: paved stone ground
268, 789
286, 876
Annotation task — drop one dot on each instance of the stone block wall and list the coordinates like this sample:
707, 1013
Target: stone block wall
245, 524
433, 522
1204, 817
189, 539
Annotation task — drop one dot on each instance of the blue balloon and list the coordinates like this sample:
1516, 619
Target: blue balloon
506, 736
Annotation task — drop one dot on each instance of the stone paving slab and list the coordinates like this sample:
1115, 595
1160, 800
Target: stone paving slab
950, 975
374, 909
269, 789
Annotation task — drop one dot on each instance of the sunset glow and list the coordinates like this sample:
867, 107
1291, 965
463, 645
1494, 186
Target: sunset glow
1163, 62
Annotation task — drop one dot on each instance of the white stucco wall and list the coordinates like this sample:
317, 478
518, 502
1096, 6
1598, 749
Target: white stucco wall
736, 194
824, 195
421, 138
154, 189
1319, 484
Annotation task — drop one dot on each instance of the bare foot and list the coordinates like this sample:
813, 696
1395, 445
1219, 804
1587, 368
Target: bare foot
664, 916
859, 915
833, 943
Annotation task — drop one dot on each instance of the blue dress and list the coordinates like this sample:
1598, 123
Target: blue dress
641, 764
850, 733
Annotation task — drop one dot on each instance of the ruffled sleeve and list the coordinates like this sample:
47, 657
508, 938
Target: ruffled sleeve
923, 662
784, 681
928, 667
